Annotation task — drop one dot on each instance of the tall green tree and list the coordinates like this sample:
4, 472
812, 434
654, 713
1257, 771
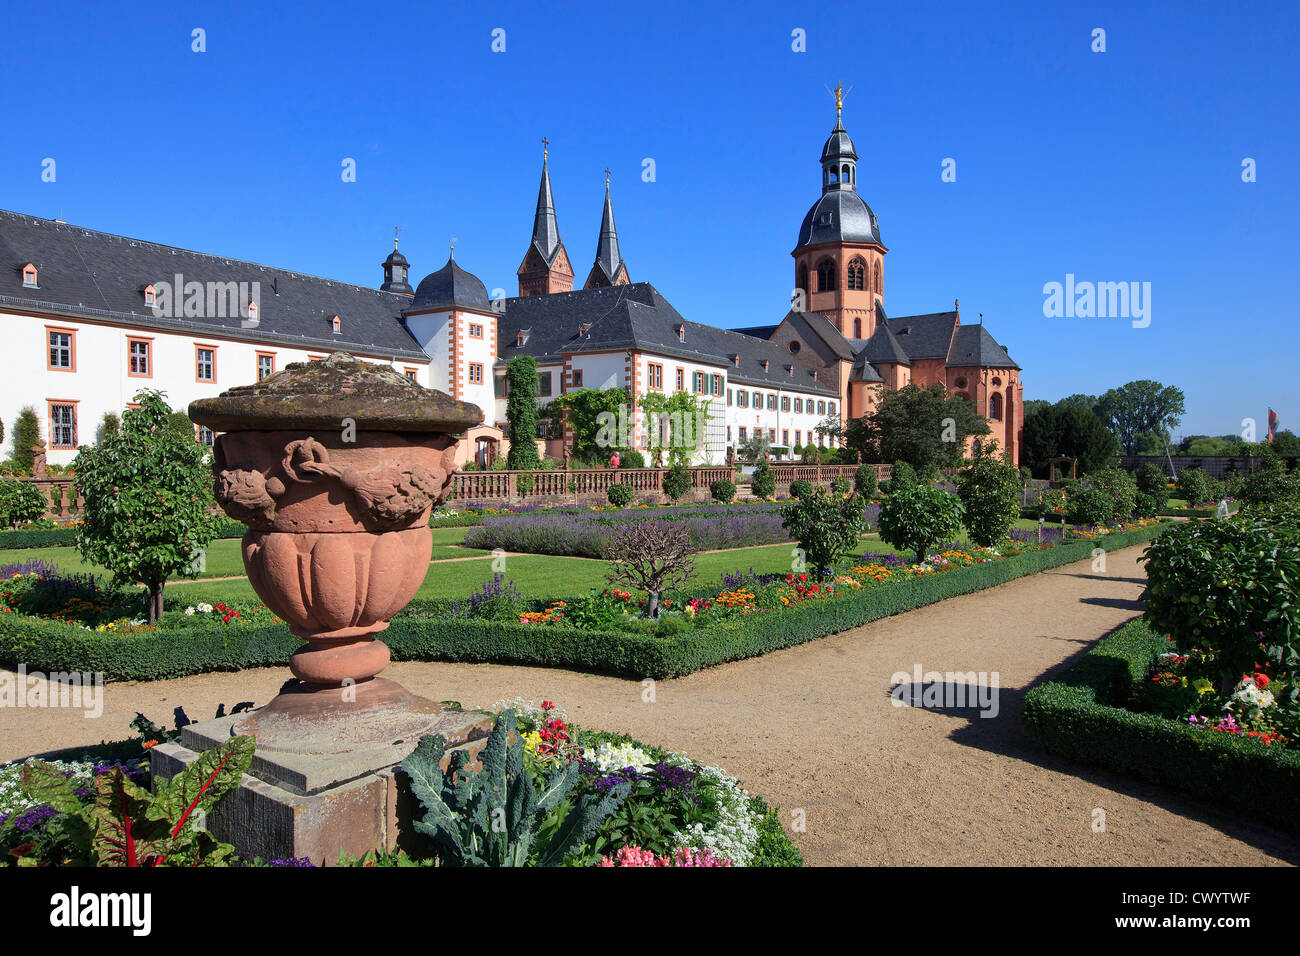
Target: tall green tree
1070, 431
27, 432
521, 412
1140, 406
149, 510
927, 427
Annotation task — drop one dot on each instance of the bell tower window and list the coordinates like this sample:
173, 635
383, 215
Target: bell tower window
826, 276
857, 275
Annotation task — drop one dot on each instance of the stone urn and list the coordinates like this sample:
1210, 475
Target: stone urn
335, 465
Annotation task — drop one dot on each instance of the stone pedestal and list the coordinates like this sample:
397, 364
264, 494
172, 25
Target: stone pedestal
340, 792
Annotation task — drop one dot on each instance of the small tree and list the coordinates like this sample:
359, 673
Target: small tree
677, 481
825, 526
1194, 485
619, 495
654, 556
521, 412
109, 426
27, 432
1120, 487
1151, 482
917, 517
763, 482
864, 482
990, 496
148, 501
722, 490
20, 502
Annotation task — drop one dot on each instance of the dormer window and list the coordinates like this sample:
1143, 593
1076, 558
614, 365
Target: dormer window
765, 363
336, 324
583, 329
681, 333
735, 359
29, 277
522, 338
150, 297
251, 311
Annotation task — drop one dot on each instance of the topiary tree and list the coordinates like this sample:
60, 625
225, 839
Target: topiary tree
676, 481
901, 476
723, 490
27, 432
800, 488
840, 485
763, 482
1119, 486
148, 501
917, 517
619, 495
521, 412
864, 482
1194, 485
20, 502
654, 556
990, 496
826, 527
109, 426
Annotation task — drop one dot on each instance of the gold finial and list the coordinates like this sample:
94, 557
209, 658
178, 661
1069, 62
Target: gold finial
453, 247
606, 177
545, 143
839, 93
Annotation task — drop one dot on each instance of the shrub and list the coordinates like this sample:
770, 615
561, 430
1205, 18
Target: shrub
902, 475
763, 483
1230, 484
1120, 487
1151, 480
524, 485
631, 459
826, 527
864, 482
840, 485
20, 502
651, 555
1231, 584
677, 481
1050, 505
1194, 485
619, 495
916, 517
723, 490
27, 432
1087, 505
800, 488
1146, 505
990, 496
1025, 474
1269, 486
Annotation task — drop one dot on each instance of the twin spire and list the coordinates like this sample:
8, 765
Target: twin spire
546, 268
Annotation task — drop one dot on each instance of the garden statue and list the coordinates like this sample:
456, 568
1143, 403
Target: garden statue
38, 459
565, 452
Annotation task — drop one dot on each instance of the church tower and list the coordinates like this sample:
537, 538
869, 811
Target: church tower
609, 268
839, 258
546, 267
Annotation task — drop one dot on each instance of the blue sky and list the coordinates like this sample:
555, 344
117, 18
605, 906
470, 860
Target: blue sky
1115, 166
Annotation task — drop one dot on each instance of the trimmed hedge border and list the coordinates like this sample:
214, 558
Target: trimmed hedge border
1080, 716
425, 633
67, 537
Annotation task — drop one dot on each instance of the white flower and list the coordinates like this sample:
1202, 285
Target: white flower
608, 757
189, 612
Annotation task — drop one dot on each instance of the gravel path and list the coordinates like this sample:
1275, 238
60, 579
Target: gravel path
814, 728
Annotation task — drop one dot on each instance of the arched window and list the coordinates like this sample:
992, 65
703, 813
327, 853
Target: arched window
844, 173
876, 285
825, 275
802, 277
995, 407
857, 276
857, 328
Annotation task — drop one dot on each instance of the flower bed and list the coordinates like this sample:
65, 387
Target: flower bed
1086, 715
598, 633
586, 534
675, 812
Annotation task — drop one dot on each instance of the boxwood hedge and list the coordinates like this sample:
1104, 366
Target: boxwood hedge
425, 632
66, 537
1080, 716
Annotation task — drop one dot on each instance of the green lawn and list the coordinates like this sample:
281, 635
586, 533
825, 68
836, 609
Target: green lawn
537, 576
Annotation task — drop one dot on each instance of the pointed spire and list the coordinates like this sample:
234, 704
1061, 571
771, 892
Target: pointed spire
546, 231
607, 255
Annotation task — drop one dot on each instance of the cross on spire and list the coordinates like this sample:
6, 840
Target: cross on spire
545, 144
606, 175
396, 230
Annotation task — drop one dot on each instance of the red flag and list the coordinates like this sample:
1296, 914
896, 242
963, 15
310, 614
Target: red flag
1272, 423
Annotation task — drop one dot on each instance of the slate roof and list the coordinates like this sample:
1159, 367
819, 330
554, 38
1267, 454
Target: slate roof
884, 348
85, 273
637, 316
450, 287
974, 346
924, 336
608, 259
840, 215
